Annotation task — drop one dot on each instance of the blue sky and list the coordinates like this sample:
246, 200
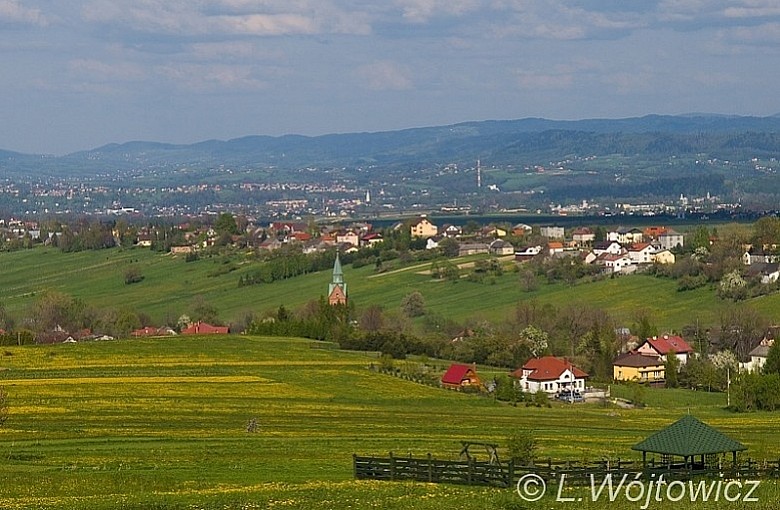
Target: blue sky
78, 74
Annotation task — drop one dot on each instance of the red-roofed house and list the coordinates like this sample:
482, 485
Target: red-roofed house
641, 253
661, 346
549, 374
460, 376
203, 328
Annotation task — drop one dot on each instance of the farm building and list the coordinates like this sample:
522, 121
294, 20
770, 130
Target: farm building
461, 376
204, 328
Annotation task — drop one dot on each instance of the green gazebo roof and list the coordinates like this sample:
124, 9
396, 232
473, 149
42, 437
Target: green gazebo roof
687, 437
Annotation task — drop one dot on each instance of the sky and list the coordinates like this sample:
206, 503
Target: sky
77, 74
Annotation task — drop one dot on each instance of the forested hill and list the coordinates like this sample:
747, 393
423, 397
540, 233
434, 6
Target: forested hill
499, 142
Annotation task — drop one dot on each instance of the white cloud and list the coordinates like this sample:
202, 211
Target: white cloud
385, 75
11, 11
226, 17
420, 11
106, 71
211, 78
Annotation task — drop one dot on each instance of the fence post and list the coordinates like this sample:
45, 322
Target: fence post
511, 473
471, 467
392, 466
430, 468
354, 466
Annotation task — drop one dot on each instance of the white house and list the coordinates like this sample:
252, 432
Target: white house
528, 253
615, 263
758, 356
670, 240
552, 232
626, 235
641, 253
612, 247
549, 374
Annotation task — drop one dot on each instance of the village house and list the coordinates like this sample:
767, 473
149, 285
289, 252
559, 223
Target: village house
472, 249
663, 257
661, 346
552, 232
500, 247
521, 229
625, 235
554, 247
754, 255
616, 263
612, 247
527, 253
583, 236
758, 356
452, 231
460, 376
633, 366
641, 253
423, 228
348, 237
204, 328
670, 240
371, 239
549, 374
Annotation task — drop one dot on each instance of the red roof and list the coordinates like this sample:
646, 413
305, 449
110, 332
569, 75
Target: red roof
548, 368
203, 328
639, 246
456, 373
667, 343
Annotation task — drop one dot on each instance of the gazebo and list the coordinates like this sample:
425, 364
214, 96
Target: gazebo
688, 437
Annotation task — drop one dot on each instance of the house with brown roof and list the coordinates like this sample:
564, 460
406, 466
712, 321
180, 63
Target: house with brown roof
204, 328
549, 374
421, 227
583, 236
633, 366
461, 376
661, 346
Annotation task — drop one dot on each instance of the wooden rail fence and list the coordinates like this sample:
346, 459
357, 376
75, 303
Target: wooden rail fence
473, 472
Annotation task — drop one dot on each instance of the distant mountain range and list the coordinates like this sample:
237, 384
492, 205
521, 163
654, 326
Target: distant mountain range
496, 142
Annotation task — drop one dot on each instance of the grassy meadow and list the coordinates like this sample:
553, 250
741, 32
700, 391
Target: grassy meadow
170, 285
162, 423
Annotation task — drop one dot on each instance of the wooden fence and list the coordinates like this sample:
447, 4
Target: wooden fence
473, 472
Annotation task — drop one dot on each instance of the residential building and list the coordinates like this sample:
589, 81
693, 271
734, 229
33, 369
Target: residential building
552, 232
661, 346
423, 228
549, 374
670, 240
461, 376
634, 366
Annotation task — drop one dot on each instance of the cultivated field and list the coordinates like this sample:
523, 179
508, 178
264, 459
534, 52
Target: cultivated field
163, 424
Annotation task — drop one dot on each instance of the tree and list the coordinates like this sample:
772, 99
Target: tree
226, 224
133, 275
671, 368
372, 318
203, 311
413, 305
522, 447
536, 340
772, 364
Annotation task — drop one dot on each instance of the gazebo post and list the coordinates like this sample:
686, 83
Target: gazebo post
644, 460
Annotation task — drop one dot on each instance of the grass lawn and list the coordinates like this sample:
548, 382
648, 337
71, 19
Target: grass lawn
162, 423
170, 286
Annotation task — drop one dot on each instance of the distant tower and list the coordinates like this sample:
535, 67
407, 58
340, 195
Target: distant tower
479, 175
337, 289
368, 196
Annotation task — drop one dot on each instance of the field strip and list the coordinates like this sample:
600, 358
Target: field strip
401, 270
195, 364
138, 380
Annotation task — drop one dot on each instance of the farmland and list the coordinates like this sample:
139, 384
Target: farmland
162, 423
170, 284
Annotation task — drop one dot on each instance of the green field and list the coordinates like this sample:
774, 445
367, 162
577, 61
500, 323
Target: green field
161, 423
170, 285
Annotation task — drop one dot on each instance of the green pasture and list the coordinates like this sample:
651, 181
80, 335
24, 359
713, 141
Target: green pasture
162, 423
170, 286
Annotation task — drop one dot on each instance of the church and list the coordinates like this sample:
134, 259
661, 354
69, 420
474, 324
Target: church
337, 289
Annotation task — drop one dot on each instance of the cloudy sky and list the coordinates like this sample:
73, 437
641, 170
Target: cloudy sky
77, 74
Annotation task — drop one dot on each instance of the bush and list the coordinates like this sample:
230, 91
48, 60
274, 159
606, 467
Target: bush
522, 447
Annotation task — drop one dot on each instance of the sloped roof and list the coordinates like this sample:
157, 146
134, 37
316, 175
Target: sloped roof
548, 368
636, 360
687, 437
456, 373
666, 343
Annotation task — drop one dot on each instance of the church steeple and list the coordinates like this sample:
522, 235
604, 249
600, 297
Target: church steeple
337, 289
